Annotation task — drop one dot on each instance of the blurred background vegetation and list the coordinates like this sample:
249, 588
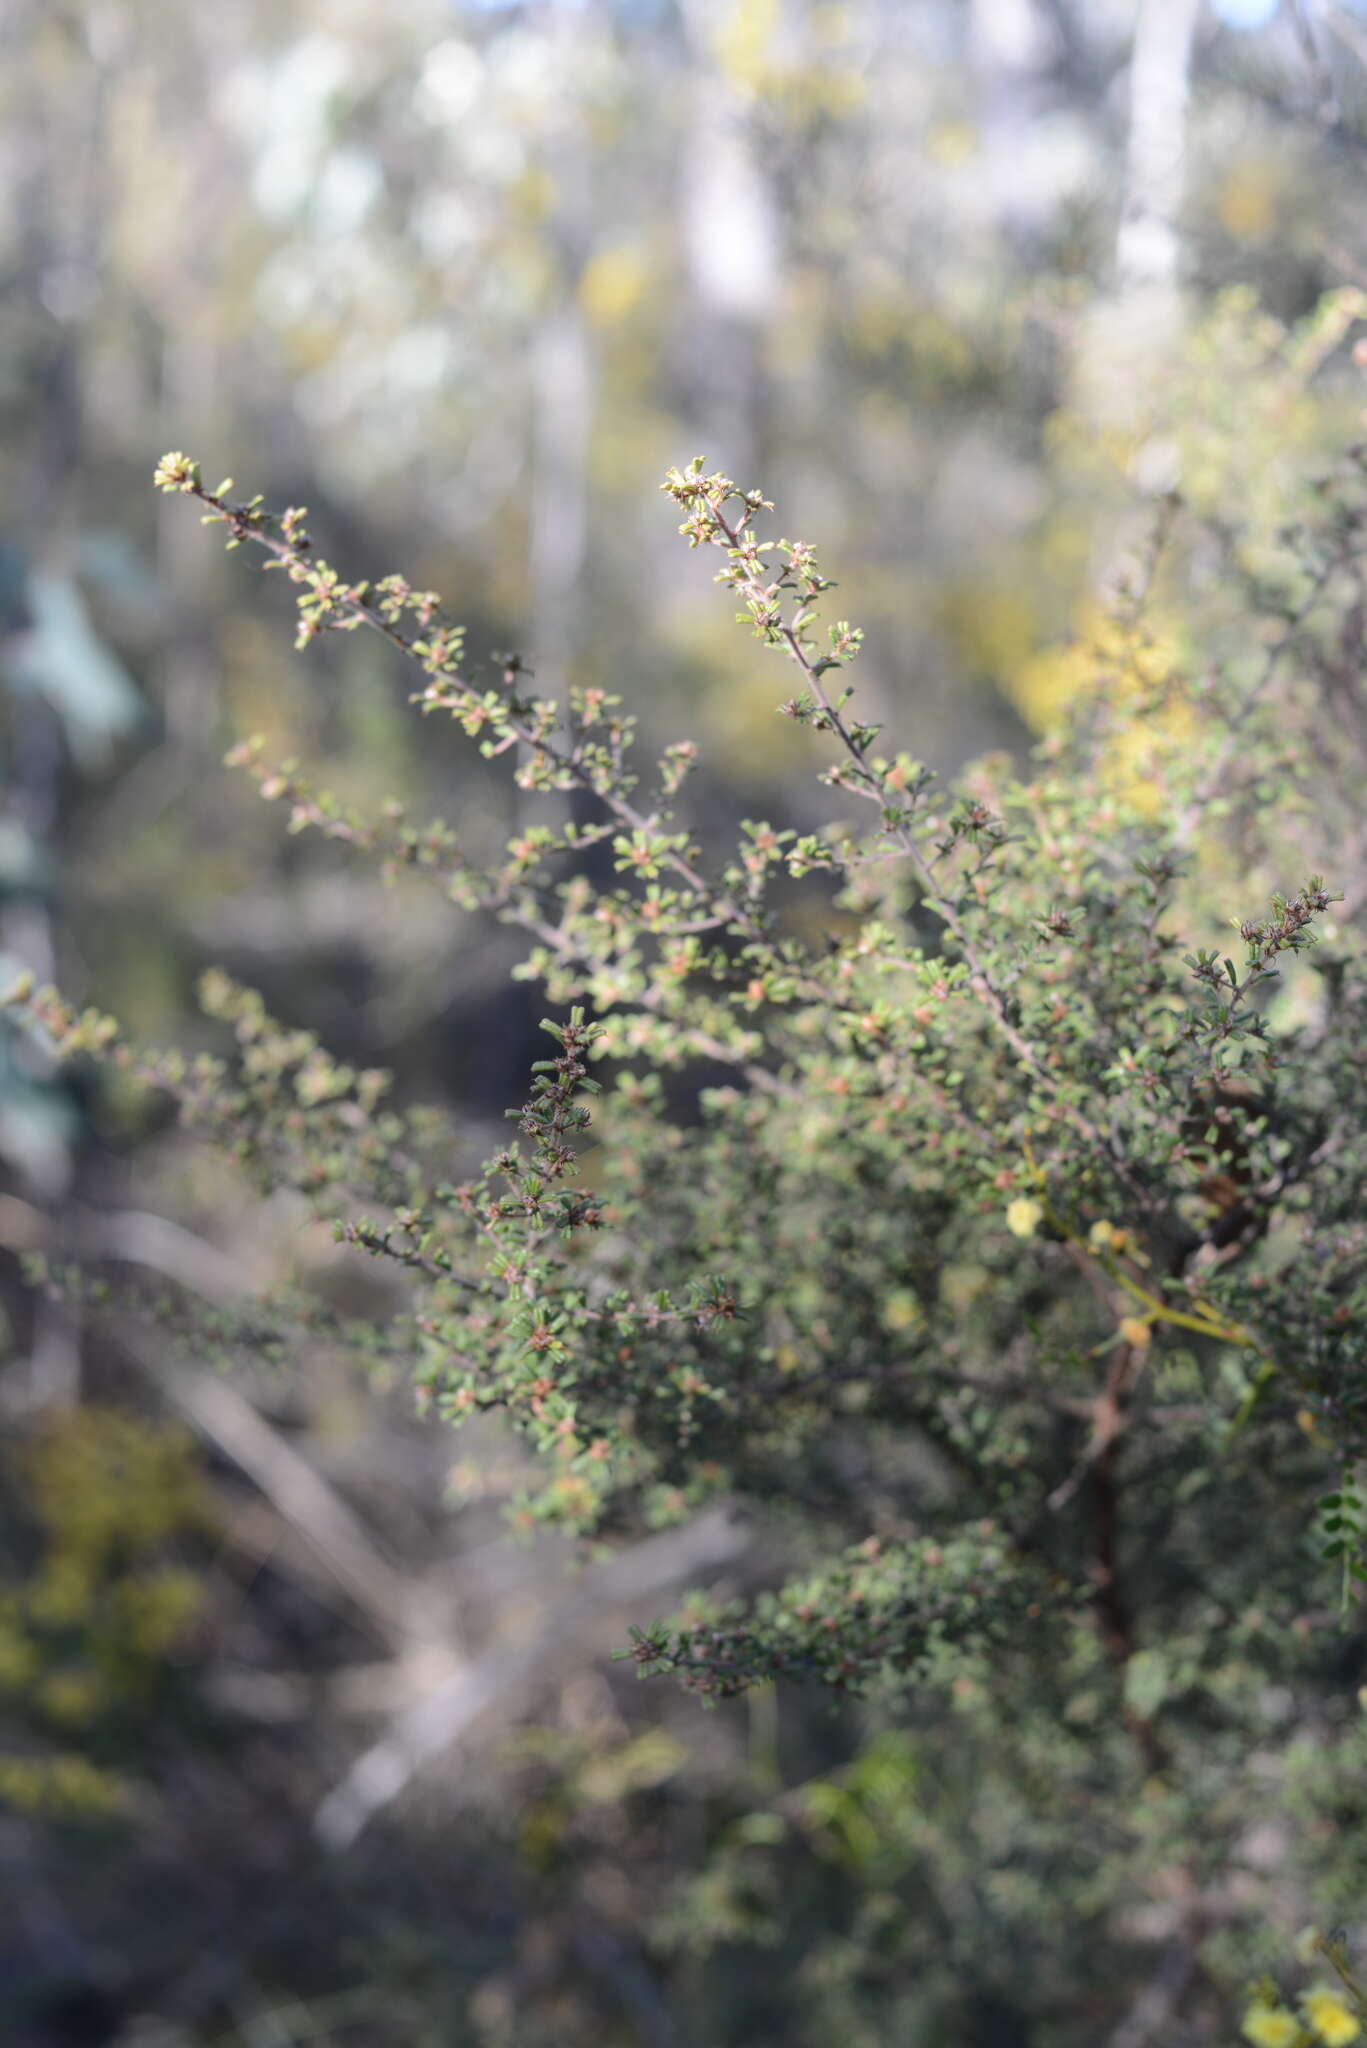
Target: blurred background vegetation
967, 285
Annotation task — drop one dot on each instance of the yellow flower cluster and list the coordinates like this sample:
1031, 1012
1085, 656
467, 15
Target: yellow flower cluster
1024, 1216
1328, 2019
1271, 2026
1333, 2021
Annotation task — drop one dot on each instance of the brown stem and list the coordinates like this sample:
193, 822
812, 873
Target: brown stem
1115, 1619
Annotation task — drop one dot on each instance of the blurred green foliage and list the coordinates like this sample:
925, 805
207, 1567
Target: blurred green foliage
99, 1603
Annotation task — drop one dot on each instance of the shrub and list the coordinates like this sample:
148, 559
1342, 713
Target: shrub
1002, 1252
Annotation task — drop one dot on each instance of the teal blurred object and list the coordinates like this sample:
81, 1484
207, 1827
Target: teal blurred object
40, 1121
57, 655
50, 656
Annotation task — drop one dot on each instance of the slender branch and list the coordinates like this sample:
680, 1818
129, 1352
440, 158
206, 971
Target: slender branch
247, 523
981, 984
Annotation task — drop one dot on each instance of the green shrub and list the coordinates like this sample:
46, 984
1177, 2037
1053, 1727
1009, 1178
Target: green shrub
1002, 1251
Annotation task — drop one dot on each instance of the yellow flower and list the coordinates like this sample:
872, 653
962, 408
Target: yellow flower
1024, 1216
1333, 2021
1134, 1330
1109, 1237
1270, 2026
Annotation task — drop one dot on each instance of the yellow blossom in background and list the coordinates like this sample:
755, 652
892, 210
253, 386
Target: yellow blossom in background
1024, 1216
614, 283
1247, 202
1101, 656
1270, 2026
1140, 677
744, 41
1134, 1330
901, 1310
1333, 2020
1106, 1236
